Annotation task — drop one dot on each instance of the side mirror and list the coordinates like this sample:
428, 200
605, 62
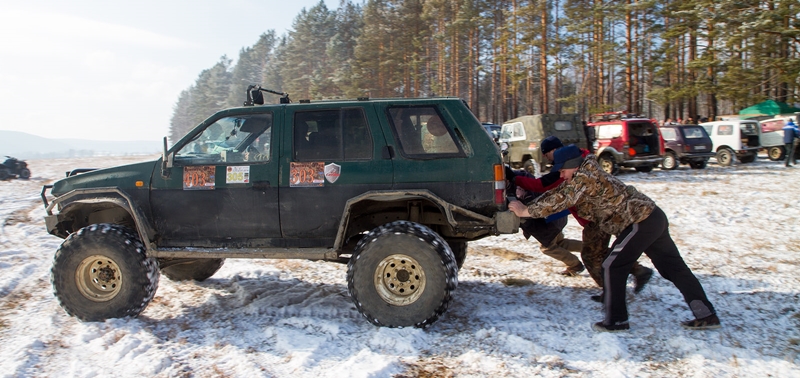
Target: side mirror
504, 148
166, 161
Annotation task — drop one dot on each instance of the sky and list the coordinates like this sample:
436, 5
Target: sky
512, 314
101, 70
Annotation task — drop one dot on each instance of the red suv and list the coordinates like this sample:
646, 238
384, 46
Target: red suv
624, 140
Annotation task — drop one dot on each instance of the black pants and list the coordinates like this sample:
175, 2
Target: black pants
650, 236
790, 154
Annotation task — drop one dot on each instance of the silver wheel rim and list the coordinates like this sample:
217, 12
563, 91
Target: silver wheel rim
98, 278
399, 280
669, 162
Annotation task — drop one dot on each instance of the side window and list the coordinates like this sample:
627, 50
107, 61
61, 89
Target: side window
609, 131
236, 139
422, 132
668, 133
725, 130
328, 135
748, 128
563, 125
693, 133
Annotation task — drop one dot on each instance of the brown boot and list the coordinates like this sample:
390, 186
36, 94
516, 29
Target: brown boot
573, 270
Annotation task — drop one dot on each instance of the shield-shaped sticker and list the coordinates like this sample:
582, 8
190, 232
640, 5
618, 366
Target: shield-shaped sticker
332, 172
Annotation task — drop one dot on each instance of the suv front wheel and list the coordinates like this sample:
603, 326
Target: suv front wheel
102, 272
401, 274
725, 157
608, 164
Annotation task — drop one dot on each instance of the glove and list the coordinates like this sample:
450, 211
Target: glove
510, 174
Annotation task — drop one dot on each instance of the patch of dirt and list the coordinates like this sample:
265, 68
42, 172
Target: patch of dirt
426, 368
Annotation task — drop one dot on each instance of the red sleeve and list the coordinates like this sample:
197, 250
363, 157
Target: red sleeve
535, 185
581, 221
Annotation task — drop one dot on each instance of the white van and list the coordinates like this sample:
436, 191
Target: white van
741, 138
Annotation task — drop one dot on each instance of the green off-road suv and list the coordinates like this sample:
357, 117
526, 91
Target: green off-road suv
395, 188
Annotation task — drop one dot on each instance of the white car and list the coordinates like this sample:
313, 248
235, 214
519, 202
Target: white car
741, 138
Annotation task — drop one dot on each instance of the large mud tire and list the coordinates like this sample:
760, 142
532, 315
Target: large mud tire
103, 272
670, 162
459, 249
402, 274
190, 269
725, 157
4, 173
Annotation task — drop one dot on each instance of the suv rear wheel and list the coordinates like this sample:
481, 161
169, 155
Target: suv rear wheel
102, 272
669, 162
776, 153
401, 274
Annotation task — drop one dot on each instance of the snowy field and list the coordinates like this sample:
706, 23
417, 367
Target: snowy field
513, 316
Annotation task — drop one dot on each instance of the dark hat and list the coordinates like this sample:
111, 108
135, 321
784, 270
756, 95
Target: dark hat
550, 143
567, 157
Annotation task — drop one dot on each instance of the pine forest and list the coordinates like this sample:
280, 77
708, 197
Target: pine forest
506, 58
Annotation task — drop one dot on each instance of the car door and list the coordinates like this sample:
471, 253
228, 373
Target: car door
333, 153
223, 186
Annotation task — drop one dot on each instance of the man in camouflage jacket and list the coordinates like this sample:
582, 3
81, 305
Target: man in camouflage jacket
639, 226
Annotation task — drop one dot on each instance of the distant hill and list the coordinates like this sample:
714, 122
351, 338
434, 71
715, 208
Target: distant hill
26, 146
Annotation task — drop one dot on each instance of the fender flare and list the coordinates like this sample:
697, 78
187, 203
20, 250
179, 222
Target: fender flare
445, 207
108, 195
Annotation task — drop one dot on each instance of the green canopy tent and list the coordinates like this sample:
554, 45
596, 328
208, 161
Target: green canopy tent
769, 108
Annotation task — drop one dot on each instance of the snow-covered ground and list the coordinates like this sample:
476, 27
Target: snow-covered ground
512, 316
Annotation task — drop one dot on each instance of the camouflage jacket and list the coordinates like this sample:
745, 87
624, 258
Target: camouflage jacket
597, 197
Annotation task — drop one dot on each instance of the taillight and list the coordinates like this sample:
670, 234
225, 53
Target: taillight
499, 184
687, 148
631, 151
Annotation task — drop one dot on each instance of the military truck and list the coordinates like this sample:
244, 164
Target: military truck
394, 188
524, 136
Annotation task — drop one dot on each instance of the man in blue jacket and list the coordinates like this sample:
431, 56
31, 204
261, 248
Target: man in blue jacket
790, 132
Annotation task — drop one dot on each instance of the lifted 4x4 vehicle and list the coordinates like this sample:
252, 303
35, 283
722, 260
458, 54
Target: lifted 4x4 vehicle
395, 188
624, 140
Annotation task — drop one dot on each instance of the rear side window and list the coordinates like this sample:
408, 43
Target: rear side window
423, 132
691, 133
725, 130
749, 128
609, 131
563, 125
513, 130
669, 134
332, 135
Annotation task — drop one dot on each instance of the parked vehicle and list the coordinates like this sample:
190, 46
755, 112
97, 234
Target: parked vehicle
686, 144
772, 137
14, 168
739, 138
624, 140
493, 130
394, 188
524, 136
